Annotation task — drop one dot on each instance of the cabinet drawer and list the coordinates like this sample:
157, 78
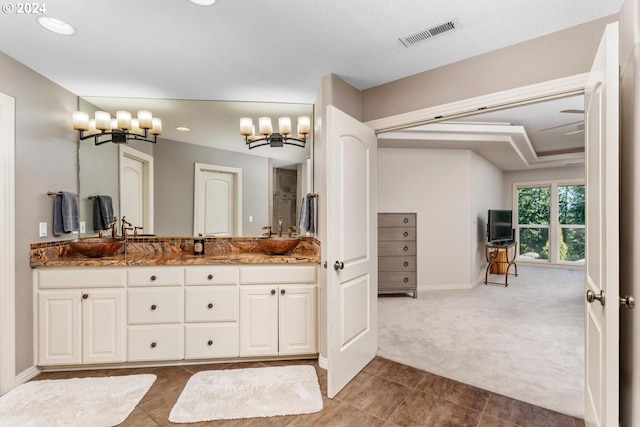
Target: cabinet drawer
396, 280
211, 304
211, 275
155, 276
396, 233
155, 342
151, 305
203, 341
280, 274
81, 278
397, 263
397, 220
396, 248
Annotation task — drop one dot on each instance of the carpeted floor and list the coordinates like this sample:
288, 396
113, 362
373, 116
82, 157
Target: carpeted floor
525, 341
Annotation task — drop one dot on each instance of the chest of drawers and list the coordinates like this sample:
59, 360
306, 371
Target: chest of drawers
397, 253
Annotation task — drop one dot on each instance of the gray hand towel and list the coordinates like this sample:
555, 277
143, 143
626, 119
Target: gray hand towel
307, 214
102, 212
66, 216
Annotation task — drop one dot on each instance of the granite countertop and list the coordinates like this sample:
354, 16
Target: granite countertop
174, 251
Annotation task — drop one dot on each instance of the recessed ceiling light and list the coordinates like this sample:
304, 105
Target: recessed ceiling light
56, 25
203, 2
182, 128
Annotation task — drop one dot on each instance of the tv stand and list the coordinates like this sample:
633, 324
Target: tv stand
500, 258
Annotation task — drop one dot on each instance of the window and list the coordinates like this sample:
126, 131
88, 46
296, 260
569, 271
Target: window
550, 221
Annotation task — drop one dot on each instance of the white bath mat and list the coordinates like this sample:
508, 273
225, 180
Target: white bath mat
99, 401
248, 393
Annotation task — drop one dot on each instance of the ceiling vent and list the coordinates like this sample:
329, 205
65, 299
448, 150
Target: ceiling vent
429, 33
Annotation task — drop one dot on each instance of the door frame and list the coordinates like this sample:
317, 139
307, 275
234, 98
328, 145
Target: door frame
558, 88
200, 167
147, 165
7, 244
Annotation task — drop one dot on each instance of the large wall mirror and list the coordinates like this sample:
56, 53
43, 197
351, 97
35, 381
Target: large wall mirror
271, 182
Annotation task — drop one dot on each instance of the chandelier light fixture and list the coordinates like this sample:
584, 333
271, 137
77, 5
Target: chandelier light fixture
266, 135
118, 130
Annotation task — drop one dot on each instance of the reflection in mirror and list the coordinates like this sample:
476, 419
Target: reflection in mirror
274, 180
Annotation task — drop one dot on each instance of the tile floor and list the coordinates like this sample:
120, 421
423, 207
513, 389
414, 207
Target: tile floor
384, 394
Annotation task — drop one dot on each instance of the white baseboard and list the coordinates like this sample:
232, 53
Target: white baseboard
437, 287
26, 375
323, 362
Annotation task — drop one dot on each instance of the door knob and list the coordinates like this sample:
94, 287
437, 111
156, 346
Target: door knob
591, 297
629, 301
338, 265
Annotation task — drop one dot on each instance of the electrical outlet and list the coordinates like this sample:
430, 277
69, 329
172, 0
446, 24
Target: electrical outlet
43, 229
83, 227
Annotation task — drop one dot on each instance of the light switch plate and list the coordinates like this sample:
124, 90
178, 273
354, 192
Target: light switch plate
83, 227
250, 218
43, 229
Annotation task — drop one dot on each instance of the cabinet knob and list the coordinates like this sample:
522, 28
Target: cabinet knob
153, 345
153, 307
406, 263
406, 220
210, 305
282, 291
210, 342
406, 279
406, 248
209, 277
85, 296
406, 234
273, 291
153, 278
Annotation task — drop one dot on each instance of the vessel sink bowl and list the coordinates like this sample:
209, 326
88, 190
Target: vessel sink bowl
96, 247
278, 245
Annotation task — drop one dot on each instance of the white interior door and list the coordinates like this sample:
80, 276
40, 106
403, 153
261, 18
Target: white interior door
352, 278
602, 242
217, 208
136, 188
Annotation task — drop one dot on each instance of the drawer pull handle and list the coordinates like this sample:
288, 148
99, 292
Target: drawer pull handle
282, 291
406, 279
153, 278
406, 248
209, 277
406, 234
209, 305
406, 220
85, 296
273, 291
406, 263
153, 345
210, 342
153, 307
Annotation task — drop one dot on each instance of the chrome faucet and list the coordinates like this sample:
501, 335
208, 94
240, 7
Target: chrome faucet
113, 226
280, 227
268, 228
124, 227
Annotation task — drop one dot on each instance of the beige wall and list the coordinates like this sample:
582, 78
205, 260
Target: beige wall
557, 55
46, 160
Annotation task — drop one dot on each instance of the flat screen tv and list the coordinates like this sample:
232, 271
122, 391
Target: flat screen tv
499, 226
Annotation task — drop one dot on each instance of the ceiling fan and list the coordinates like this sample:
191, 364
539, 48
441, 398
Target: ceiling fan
579, 123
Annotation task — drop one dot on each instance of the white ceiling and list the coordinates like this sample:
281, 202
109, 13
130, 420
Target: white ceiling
278, 50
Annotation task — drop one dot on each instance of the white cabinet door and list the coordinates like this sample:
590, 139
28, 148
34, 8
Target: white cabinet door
59, 328
297, 319
103, 323
258, 320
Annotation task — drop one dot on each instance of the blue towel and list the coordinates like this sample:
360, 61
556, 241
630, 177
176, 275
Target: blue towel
66, 217
102, 212
308, 214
